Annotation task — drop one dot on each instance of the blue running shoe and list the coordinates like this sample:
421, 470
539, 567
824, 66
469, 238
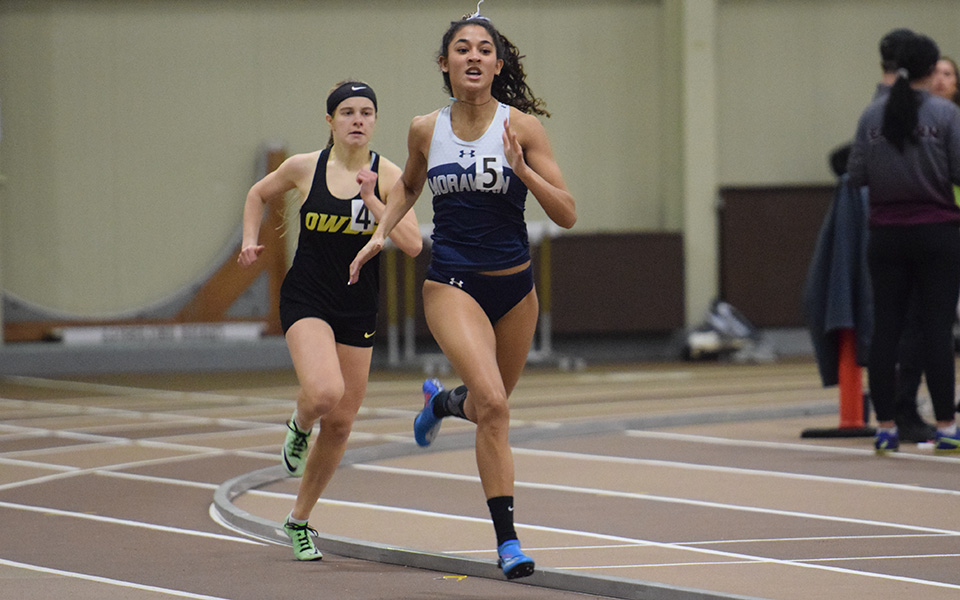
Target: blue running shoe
513, 561
886, 441
947, 444
427, 425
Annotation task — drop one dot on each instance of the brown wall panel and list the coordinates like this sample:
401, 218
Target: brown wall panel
767, 237
618, 283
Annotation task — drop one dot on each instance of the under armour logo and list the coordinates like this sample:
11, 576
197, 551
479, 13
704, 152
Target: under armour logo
463, 153
456, 282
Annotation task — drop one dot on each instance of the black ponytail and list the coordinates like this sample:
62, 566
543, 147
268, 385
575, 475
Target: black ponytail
916, 60
901, 114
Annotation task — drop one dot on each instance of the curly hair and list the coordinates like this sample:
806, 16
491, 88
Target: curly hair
510, 86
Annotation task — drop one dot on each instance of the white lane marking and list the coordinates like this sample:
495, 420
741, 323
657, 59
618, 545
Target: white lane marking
107, 580
702, 439
126, 522
819, 538
107, 389
747, 562
65, 472
733, 557
631, 376
217, 518
716, 543
656, 498
733, 470
75, 472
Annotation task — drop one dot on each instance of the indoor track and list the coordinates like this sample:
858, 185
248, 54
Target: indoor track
636, 481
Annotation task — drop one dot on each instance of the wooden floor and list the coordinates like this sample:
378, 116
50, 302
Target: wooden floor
671, 481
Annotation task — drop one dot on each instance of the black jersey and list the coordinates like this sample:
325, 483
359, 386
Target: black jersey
332, 231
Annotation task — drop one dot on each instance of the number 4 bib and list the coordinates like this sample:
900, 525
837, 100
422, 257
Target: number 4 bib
362, 220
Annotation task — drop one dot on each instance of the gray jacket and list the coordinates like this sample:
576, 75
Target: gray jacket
916, 186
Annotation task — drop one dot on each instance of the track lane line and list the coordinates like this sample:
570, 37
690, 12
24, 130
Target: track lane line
107, 580
126, 522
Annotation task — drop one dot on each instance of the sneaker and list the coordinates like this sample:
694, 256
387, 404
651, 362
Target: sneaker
294, 453
915, 430
513, 561
427, 425
947, 444
886, 441
303, 547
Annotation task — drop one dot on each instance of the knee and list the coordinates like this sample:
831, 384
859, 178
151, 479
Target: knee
321, 398
336, 428
491, 409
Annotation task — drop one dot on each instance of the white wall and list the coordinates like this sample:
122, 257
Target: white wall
131, 128
135, 125
795, 74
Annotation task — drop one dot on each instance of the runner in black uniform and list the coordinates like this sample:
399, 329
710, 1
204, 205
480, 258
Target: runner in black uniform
329, 326
332, 230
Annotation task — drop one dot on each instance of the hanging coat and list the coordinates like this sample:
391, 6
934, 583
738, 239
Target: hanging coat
838, 294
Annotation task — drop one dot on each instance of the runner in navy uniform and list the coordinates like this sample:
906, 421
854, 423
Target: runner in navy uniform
329, 326
480, 156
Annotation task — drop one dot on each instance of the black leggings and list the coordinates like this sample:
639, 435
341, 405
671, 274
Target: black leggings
925, 258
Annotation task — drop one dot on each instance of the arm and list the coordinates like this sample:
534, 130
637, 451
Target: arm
406, 235
289, 175
404, 193
529, 154
953, 147
856, 163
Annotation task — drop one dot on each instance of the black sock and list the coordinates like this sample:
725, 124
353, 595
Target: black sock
449, 403
501, 510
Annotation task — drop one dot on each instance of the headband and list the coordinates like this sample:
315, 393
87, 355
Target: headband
350, 89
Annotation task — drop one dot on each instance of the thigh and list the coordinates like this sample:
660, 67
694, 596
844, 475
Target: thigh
514, 332
892, 277
355, 370
465, 335
314, 354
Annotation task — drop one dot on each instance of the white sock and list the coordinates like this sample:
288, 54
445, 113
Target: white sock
296, 423
293, 521
950, 430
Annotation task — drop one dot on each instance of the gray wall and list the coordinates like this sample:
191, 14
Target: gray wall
131, 128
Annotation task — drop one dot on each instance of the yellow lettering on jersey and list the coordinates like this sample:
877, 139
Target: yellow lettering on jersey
328, 223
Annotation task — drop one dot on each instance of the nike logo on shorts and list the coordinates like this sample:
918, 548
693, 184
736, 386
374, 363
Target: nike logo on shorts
369, 335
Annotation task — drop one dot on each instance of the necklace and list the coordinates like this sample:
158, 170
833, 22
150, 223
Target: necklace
484, 103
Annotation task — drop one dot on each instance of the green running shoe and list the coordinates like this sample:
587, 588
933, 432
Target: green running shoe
303, 547
294, 453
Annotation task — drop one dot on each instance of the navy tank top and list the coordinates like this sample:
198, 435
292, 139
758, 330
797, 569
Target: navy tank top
478, 202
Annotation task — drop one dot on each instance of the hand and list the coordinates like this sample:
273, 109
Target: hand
367, 180
373, 247
249, 255
512, 150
